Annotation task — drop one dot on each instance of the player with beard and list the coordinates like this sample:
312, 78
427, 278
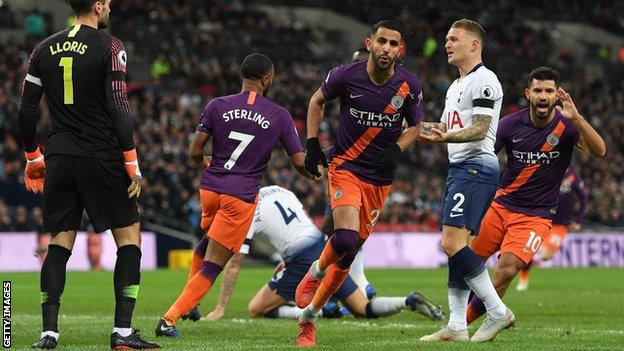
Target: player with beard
376, 96
539, 142
90, 162
356, 271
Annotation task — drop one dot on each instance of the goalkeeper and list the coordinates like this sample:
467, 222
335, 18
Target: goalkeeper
91, 161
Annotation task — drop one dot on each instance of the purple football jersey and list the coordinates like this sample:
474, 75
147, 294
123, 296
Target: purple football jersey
245, 128
537, 159
571, 185
371, 116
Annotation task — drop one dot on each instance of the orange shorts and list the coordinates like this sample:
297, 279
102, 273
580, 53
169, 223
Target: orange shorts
346, 189
226, 219
553, 242
508, 231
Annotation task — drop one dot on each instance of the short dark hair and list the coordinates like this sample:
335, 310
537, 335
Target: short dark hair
256, 66
471, 26
543, 73
81, 7
390, 24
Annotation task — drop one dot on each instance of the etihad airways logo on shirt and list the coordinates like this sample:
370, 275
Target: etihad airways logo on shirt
374, 119
532, 158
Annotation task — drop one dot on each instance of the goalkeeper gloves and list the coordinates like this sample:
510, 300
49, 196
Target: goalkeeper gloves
314, 155
388, 159
34, 174
132, 169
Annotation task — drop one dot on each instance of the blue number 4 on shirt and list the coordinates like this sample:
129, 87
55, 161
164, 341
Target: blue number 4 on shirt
287, 218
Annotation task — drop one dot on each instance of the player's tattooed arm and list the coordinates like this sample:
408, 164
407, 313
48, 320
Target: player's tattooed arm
477, 131
230, 275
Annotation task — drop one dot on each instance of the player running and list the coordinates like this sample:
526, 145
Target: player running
244, 128
539, 142
356, 270
468, 125
376, 95
90, 163
281, 221
571, 185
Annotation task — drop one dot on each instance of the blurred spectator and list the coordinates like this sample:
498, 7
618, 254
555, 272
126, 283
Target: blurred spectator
22, 223
430, 47
5, 219
7, 17
34, 25
160, 67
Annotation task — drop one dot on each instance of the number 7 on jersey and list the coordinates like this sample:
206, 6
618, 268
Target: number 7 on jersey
245, 140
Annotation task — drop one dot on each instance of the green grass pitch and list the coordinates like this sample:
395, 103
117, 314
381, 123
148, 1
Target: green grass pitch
564, 309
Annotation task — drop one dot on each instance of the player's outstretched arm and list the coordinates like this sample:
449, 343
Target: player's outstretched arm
196, 149
409, 136
590, 141
230, 276
477, 131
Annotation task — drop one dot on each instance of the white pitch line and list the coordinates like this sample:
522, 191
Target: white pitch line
359, 324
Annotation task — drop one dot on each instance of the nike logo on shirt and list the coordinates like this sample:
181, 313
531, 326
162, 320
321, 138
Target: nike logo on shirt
354, 96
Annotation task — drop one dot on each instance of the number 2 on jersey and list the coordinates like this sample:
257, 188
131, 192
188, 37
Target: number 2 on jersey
68, 83
287, 218
245, 140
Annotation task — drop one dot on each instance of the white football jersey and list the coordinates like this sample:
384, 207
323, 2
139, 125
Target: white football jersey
478, 93
281, 220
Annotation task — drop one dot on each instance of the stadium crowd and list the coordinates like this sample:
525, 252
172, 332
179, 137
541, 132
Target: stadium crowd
194, 50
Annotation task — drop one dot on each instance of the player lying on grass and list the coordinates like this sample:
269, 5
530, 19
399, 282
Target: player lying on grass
281, 220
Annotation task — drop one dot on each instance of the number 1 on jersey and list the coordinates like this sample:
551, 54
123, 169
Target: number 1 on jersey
245, 140
68, 83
